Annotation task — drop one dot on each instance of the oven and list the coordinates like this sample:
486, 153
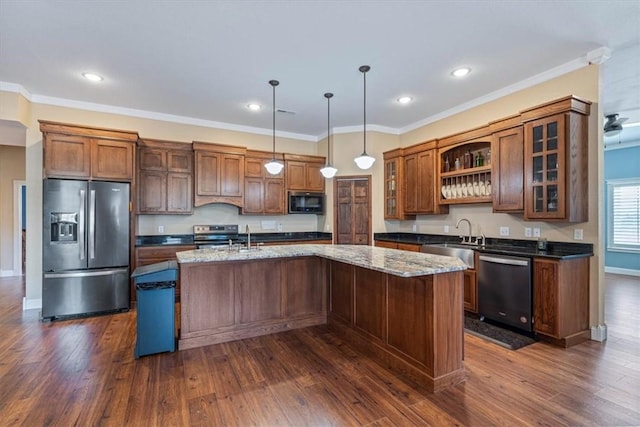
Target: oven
210, 236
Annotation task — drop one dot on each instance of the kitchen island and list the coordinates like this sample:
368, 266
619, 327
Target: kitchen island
403, 308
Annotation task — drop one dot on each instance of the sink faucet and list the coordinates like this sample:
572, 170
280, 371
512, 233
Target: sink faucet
464, 240
248, 231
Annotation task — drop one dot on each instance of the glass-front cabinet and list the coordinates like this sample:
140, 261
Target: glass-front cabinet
556, 161
393, 181
545, 157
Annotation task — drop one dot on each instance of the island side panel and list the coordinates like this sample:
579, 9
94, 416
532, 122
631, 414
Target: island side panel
370, 302
226, 301
341, 291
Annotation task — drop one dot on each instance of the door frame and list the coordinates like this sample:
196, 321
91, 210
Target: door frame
17, 229
335, 202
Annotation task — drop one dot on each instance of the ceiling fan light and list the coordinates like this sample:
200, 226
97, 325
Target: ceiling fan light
328, 171
274, 167
364, 161
612, 132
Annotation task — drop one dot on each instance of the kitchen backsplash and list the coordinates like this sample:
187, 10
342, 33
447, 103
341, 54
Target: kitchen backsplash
225, 214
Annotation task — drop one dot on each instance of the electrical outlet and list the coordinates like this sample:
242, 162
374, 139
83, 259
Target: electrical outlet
279, 226
527, 232
161, 229
446, 228
578, 234
504, 231
415, 227
536, 231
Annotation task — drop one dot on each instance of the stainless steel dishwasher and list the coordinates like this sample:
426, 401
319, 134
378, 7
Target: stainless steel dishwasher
504, 290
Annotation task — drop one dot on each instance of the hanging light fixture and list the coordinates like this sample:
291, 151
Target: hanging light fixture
328, 171
364, 161
274, 167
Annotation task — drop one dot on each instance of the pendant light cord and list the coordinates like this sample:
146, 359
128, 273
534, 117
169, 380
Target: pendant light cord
274, 83
364, 69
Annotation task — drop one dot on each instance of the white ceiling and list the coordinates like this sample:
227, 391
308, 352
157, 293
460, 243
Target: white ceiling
206, 60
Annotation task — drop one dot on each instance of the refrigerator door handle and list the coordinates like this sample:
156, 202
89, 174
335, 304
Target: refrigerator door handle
92, 224
81, 237
87, 273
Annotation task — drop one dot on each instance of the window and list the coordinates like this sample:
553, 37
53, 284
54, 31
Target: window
624, 215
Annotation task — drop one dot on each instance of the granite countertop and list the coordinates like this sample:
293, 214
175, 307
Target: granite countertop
392, 261
557, 250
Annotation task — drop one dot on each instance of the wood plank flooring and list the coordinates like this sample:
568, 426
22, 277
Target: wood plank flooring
83, 373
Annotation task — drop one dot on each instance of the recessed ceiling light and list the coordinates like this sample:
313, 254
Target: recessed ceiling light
93, 77
461, 72
405, 99
254, 107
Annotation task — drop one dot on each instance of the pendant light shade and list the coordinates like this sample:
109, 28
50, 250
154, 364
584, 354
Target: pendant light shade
328, 171
364, 161
274, 167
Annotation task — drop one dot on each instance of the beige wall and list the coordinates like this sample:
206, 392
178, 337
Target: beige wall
12, 168
583, 83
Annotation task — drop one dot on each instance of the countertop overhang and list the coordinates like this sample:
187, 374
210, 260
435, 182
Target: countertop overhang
391, 261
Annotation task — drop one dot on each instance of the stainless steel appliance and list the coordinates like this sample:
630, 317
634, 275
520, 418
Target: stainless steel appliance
504, 290
206, 236
85, 257
305, 202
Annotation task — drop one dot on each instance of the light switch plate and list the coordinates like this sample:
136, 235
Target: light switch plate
578, 234
504, 231
280, 227
446, 228
527, 232
268, 225
415, 227
536, 231
161, 229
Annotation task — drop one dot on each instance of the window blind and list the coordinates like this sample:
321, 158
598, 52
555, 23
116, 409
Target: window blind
624, 215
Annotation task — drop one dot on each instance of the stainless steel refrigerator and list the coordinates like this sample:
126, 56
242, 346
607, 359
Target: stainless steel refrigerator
85, 257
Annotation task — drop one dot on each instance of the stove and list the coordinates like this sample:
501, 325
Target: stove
206, 236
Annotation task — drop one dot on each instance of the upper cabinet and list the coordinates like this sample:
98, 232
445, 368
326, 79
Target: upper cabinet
165, 177
303, 173
394, 185
81, 152
263, 193
219, 174
465, 167
507, 165
419, 183
556, 161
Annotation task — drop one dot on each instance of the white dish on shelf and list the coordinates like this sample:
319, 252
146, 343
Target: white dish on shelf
463, 189
470, 189
447, 191
458, 190
476, 189
443, 190
488, 188
481, 188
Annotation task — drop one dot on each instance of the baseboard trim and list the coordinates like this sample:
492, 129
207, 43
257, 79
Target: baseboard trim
31, 304
599, 333
7, 273
624, 271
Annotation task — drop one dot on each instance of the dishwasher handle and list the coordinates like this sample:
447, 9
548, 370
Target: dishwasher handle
507, 261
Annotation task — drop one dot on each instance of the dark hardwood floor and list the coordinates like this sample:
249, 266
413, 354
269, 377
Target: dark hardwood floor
83, 373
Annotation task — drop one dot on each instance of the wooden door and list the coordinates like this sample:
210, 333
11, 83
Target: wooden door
232, 175
315, 180
207, 173
152, 196
409, 185
253, 195
507, 152
426, 163
179, 193
353, 210
274, 200
296, 175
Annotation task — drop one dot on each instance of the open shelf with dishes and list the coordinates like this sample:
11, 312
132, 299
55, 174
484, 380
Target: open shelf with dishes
465, 173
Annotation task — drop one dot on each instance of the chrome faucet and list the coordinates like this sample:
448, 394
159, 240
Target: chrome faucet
248, 231
464, 240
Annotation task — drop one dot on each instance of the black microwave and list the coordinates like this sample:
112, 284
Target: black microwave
301, 202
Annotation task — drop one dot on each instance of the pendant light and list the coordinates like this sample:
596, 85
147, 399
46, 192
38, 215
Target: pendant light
365, 161
274, 167
328, 171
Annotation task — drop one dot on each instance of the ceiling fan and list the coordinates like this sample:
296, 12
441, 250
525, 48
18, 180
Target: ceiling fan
613, 125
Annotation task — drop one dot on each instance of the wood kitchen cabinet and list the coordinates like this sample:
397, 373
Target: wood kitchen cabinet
419, 183
470, 285
263, 193
464, 169
411, 247
219, 174
394, 185
80, 152
165, 176
145, 255
561, 300
303, 173
507, 165
556, 161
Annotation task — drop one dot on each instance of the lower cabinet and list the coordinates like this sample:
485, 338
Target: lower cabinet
470, 290
412, 247
146, 255
561, 300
